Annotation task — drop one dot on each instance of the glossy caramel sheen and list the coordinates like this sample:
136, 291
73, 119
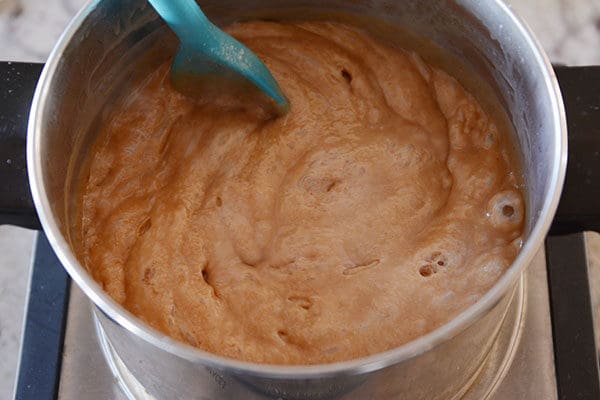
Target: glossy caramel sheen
381, 206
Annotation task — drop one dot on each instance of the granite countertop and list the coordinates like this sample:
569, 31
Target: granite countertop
569, 30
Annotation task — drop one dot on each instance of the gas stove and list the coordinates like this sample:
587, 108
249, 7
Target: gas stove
544, 350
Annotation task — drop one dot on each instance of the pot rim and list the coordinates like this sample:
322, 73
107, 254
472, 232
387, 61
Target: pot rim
377, 361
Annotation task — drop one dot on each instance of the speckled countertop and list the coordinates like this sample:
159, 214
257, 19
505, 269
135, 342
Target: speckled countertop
569, 30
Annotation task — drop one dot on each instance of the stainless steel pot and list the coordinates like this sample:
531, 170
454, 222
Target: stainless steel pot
113, 43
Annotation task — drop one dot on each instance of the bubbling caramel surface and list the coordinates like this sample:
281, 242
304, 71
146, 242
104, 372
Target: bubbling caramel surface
382, 205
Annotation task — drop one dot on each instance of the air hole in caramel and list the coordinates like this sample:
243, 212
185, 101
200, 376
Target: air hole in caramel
440, 263
346, 75
283, 335
143, 228
219, 201
426, 270
508, 211
206, 277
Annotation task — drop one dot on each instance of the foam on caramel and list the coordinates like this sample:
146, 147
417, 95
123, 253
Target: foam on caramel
379, 207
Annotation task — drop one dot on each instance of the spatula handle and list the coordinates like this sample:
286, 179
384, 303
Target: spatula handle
183, 16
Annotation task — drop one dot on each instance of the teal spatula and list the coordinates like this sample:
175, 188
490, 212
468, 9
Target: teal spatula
210, 58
